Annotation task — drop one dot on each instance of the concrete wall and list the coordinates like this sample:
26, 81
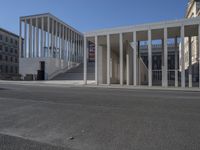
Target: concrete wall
115, 67
53, 66
102, 64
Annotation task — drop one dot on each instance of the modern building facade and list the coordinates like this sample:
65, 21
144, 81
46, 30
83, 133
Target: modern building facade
9, 55
156, 54
118, 59
48, 42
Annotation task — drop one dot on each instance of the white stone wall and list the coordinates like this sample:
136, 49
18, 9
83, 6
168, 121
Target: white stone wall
31, 65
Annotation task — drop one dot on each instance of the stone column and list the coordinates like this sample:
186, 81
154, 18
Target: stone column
30, 40
96, 60
37, 38
42, 37
134, 59
121, 59
85, 60
127, 67
165, 69
34, 42
63, 39
56, 43
182, 57
52, 38
25, 38
176, 62
48, 52
60, 48
45, 43
20, 39
149, 58
190, 62
108, 59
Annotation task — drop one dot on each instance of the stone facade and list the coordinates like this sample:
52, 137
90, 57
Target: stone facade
9, 55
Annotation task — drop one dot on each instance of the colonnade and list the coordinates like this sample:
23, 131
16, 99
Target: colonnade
182, 33
45, 36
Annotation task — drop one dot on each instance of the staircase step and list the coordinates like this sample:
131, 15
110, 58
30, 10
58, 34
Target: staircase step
77, 73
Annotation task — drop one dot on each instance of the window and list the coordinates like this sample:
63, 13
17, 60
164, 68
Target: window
1, 37
1, 47
16, 69
1, 68
6, 49
6, 69
11, 50
16, 42
11, 59
16, 60
6, 58
6, 39
15, 51
11, 40
1, 57
11, 69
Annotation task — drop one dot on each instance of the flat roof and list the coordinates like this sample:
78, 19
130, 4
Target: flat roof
143, 27
50, 15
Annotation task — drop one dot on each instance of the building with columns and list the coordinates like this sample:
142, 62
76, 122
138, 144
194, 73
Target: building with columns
50, 46
163, 54
118, 59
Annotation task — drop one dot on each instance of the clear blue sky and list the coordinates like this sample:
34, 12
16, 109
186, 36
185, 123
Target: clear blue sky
86, 15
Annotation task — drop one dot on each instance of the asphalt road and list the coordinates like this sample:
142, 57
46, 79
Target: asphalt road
72, 118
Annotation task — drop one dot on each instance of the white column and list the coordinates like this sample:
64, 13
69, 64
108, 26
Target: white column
85, 61
63, 38
42, 37
60, 31
48, 40
34, 41
108, 59
190, 62
56, 43
75, 47
121, 58
30, 39
79, 49
149, 58
37, 38
68, 46
134, 59
176, 62
82, 49
71, 46
182, 57
52, 38
45, 42
199, 52
96, 60
20, 39
25, 38
165, 69
128, 67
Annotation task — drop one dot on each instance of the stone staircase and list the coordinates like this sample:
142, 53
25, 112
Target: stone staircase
77, 73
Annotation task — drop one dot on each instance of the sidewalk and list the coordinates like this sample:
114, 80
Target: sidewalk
92, 84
